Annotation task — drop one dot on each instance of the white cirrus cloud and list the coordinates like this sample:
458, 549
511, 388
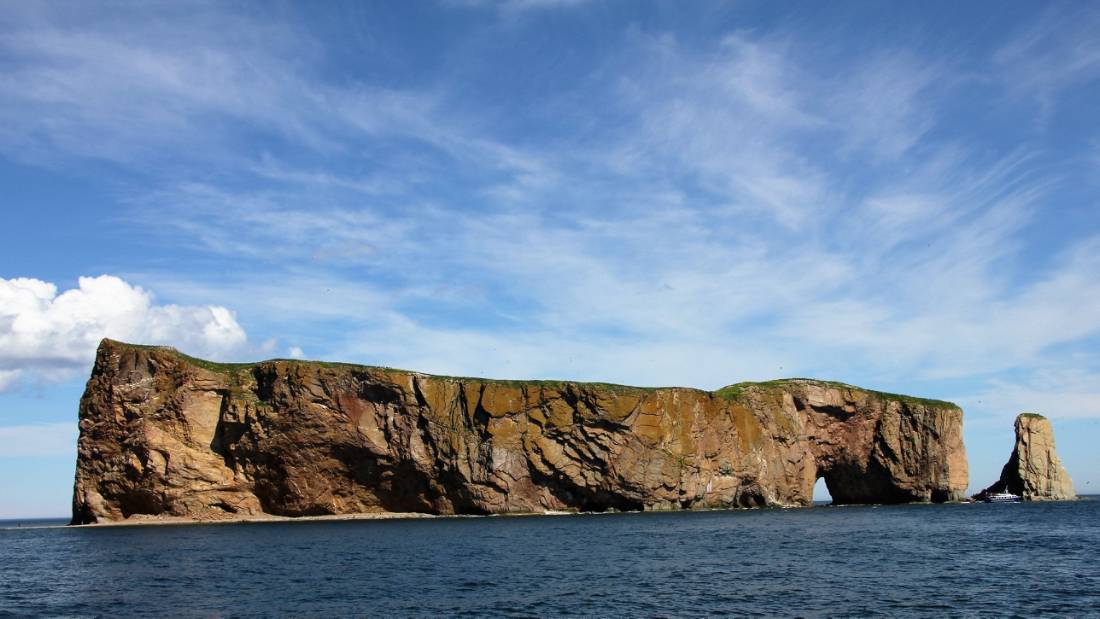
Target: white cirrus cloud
46, 335
1057, 51
1056, 390
8, 378
39, 439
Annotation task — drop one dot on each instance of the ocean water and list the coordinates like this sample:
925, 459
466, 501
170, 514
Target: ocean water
920, 560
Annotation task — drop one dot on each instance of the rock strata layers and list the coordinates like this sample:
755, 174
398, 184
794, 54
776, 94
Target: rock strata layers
164, 434
1033, 471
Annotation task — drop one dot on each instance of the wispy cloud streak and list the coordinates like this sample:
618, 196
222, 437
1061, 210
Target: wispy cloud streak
716, 209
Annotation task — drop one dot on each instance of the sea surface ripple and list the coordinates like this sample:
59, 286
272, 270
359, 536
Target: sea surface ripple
922, 560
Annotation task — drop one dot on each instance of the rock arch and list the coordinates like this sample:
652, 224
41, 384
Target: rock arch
300, 438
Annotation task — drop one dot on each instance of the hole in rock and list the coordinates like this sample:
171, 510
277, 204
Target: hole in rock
821, 492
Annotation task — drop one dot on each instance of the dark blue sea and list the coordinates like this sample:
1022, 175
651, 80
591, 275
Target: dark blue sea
923, 560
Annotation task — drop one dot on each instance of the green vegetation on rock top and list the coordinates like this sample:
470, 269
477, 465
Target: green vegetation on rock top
1031, 416
729, 392
213, 366
737, 390
554, 384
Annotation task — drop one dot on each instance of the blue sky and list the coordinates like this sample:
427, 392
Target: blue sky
900, 196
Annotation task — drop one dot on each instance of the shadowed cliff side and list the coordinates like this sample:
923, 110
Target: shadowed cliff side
1033, 471
165, 434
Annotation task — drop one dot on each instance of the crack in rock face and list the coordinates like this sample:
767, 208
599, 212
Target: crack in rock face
162, 434
1033, 471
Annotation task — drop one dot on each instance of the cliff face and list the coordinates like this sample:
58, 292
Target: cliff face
164, 434
1033, 471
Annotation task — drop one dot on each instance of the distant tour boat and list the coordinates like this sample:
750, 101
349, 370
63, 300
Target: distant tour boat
1002, 497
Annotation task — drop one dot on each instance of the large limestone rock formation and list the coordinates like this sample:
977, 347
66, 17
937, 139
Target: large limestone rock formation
165, 434
1033, 471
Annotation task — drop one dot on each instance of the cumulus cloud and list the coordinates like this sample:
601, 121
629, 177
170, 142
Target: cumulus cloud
46, 335
295, 352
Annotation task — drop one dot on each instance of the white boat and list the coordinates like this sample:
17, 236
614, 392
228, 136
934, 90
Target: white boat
1002, 497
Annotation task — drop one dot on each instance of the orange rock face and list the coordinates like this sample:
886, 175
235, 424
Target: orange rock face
164, 434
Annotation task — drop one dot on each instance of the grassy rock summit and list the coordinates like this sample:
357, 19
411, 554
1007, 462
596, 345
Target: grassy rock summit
1033, 471
164, 434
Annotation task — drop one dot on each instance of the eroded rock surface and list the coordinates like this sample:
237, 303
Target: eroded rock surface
1033, 471
161, 433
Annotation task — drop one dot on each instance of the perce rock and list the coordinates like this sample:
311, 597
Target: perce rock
1033, 471
163, 434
